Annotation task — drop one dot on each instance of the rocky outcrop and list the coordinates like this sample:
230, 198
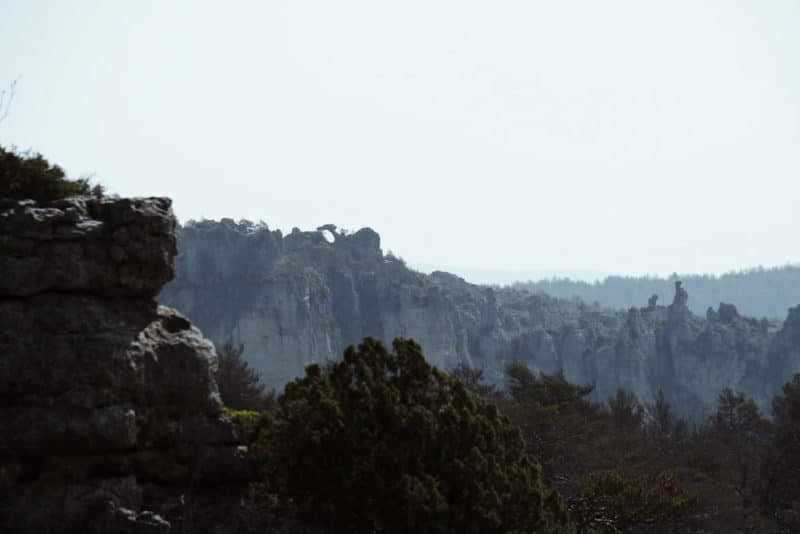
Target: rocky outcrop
122, 247
784, 351
698, 358
300, 298
109, 414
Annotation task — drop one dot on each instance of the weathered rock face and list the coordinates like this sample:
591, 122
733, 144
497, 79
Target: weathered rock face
703, 356
296, 299
122, 247
109, 414
784, 352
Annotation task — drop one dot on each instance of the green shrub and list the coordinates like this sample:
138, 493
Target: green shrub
251, 425
382, 442
30, 176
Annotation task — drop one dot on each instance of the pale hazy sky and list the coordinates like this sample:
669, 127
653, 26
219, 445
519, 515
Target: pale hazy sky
631, 137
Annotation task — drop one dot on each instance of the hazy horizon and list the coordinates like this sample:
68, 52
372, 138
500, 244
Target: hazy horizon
615, 138
508, 277
498, 275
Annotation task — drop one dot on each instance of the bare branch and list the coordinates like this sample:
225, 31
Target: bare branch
5, 105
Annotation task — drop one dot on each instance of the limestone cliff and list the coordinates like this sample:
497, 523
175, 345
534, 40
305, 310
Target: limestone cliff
784, 351
110, 418
303, 297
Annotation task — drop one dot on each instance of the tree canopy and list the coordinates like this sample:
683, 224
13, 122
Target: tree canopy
239, 384
383, 442
784, 494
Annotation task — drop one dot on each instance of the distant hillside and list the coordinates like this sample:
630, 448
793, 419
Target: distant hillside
504, 277
303, 297
756, 292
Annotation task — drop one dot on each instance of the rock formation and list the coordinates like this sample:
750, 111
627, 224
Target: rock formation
784, 351
298, 298
110, 418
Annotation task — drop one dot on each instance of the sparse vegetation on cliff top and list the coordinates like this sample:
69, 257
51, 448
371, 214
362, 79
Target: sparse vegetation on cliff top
26, 175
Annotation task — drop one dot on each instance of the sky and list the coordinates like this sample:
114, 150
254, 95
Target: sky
616, 137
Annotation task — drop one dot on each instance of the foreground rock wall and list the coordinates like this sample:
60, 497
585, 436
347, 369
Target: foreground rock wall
109, 415
300, 298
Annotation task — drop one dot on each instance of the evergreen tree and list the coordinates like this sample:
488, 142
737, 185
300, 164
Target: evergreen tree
382, 442
473, 380
785, 493
239, 384
558, 421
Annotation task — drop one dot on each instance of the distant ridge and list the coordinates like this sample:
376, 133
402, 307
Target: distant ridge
300, 298
758, 292
507, 277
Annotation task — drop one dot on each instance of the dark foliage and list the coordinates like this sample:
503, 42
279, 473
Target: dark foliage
618, 500
583, 450
26, 175
473, 380
625, 411
784, 481
557, 420
240, 385
607, 462
383, 442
